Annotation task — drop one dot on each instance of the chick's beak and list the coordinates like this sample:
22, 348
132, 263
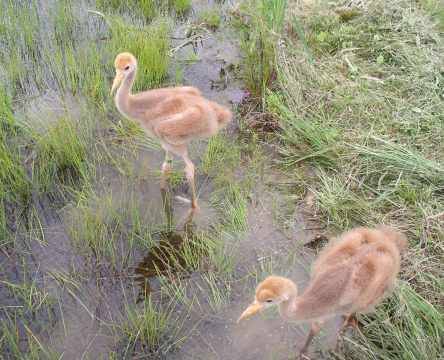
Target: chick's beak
252, 309
117, 80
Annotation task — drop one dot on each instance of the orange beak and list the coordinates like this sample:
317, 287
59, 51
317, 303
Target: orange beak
252, 309
117, 80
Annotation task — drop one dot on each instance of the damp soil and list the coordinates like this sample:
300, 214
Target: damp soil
83, 309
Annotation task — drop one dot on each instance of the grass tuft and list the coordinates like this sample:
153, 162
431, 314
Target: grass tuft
60, 153
259, 38
148, 9
210, 18
180, 6
407, 326
150, 329
397, 159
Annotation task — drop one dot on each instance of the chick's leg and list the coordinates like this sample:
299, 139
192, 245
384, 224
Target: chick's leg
166, 170
349, 321
315, 329
189, 172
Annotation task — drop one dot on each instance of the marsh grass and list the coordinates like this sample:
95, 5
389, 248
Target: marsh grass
151, 329
398, 159
60, 152
7, 120
259, 41
26, 310
220, 152
436, 9
29, 294
109, 226
12, 344
305, 139
4, 233
216, 291
131, 133
97, 228
14, 184
18, 46
344, 206
406, 326
177, 290
148, 9
210, 18
180, 6
231, 191
232, 204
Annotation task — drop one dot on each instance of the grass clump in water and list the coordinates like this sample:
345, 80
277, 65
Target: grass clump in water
149, 330
233, 207
180, 6
147, 8
109, 226
15, 347
14, 184
210, 18
220, 153
25, 316
60, 152
259, 40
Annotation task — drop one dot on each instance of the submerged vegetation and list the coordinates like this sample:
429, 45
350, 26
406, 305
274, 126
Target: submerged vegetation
353, 92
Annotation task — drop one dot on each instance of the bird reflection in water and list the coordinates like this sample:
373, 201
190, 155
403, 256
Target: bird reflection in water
166, 258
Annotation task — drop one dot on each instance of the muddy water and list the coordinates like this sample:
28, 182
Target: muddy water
211, 60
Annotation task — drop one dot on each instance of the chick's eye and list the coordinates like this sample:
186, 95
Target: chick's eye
269, 301
126, 67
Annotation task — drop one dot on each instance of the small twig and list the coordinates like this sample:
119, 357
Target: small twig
371, 78
343, 51
185, 43
353, 68
315, 228
102, 15
182, 199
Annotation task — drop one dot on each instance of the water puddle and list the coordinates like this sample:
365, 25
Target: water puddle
210, 59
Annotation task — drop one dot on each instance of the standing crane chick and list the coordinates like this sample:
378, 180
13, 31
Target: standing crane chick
352, 274
174, 115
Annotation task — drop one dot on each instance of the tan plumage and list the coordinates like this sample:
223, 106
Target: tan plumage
352, 274
174, 115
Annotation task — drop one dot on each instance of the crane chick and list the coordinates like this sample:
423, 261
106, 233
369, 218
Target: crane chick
352, 274
174, 115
